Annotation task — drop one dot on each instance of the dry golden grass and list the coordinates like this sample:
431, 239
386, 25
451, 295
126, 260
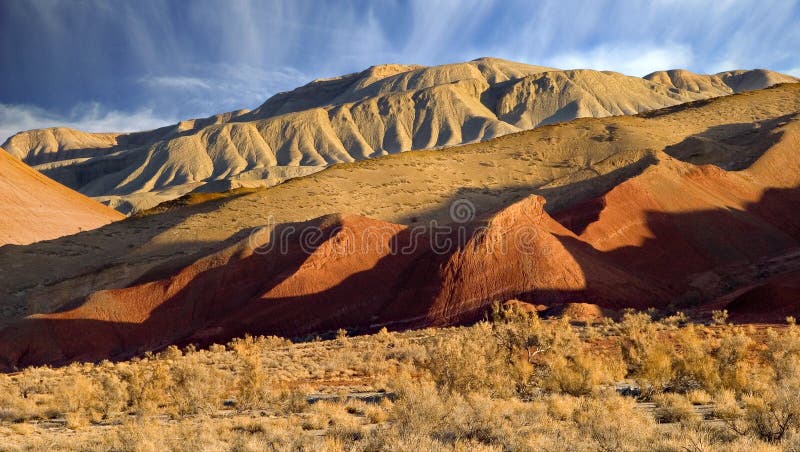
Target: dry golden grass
516, 383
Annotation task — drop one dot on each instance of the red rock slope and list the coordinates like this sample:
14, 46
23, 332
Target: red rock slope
34, 207
356, 272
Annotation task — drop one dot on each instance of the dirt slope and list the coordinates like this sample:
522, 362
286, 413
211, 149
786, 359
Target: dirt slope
35, 208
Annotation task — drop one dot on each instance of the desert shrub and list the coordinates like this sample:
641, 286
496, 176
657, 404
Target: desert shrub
636, 324
113, 394
781, 354
377, 414
728, 410
468, 361
773, 414
613, 423
479, 419
672, 407
170, 353
251, 380
147, 382
518, 383
549, 356
257, 344
769, 406
411, 441
652, 368
735, 371
78, 395
278, 434
648, 360
337, 421
289, 399
16, 404
694, 437
694, 366
719, 317
769, 414
76, 420
675, 320
562, 407
699, 397
194, 434
347, 430
451, 418
141, 434
33, 380
420, 409
196, 387
575, 374
681, 362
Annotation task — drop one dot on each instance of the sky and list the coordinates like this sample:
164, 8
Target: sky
112, 65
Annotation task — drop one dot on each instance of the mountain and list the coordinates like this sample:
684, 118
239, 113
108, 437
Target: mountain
34, 208
383, 110
723, 83
689, 207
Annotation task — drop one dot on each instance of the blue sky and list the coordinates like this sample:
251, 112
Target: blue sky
111, 65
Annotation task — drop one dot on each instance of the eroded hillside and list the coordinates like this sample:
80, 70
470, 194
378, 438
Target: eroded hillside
683, 207
382, 110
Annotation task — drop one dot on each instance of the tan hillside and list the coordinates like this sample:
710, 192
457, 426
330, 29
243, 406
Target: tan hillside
382, 110
35, 208
722, 83
742, 80
682, 206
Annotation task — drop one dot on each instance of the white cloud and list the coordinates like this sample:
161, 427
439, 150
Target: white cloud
212, 89
636, 60
209, 91
179, 82
795, 72
87, 117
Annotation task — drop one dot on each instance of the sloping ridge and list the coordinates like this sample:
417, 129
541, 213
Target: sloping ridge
722, 83
382, 110
358, 273
674, 233
704, 232
35, 208
656, 231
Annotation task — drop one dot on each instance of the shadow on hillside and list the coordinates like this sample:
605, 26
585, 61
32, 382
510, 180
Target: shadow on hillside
485, 200
732, 147
111, 248
399, 291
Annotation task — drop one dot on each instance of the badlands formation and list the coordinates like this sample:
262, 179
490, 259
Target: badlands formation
34, 207
382, 110
691, 207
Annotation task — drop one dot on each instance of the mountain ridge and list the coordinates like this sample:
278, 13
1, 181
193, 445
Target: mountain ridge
381, 110
566, 163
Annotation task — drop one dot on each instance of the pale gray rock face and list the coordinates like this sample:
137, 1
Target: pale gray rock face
382, 110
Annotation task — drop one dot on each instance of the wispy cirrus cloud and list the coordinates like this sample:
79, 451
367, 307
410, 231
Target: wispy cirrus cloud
91, 117
159, 56
175, 82
217, 88
636, 60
